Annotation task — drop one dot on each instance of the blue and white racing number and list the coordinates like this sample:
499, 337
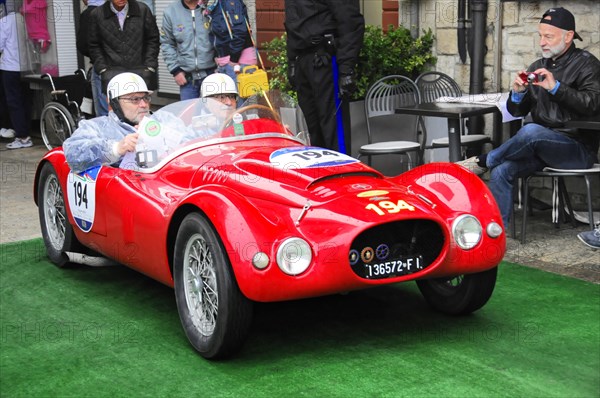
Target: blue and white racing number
81, 192
308, 157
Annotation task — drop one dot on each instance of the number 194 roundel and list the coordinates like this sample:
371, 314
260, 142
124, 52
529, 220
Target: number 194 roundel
232, 208
81, 192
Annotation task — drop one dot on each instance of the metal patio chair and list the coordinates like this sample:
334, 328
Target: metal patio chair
382, 98
434, 85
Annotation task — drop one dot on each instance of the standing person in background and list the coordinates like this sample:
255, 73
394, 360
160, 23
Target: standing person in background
316, 31
12, 36
124, 37
5, 126
186, 47
100, 102
230, 35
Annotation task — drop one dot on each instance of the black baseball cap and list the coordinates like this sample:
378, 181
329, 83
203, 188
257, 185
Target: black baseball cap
561, 18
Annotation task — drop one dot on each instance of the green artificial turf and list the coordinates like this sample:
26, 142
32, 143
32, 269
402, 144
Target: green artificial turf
112, 332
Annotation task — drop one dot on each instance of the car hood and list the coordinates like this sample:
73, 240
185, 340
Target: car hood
293, 175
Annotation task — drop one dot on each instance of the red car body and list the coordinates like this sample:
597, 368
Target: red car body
343, 209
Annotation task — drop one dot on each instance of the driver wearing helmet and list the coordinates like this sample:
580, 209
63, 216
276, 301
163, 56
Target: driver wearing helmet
219, 97
106, 139
222, 88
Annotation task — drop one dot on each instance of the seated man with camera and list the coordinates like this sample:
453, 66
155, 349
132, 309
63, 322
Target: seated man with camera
563, 85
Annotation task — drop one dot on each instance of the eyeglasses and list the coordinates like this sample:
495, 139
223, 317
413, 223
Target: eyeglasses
136, 100
223, 97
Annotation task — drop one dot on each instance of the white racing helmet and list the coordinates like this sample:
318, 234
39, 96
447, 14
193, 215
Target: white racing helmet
121, 84
218, 83
126, 83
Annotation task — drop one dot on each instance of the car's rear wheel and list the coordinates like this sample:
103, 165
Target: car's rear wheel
459, 295
214, 313
57, 232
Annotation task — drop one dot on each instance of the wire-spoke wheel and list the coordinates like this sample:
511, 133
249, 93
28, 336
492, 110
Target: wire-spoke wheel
57, 232
214, 313
200, 285
459, 295
56, 124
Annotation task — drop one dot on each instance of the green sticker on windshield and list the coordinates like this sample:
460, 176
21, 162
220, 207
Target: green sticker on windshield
152, 128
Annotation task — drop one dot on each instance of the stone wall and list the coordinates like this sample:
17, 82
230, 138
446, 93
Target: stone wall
512, 48
512, 44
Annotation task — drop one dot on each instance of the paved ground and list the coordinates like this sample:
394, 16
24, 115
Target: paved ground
554, 250
18, 213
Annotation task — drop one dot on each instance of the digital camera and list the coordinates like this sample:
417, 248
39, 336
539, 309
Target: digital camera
531, 77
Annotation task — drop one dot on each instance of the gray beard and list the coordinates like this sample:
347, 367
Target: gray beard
555, 51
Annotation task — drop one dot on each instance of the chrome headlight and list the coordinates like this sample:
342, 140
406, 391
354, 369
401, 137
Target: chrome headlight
294, 256
467, 231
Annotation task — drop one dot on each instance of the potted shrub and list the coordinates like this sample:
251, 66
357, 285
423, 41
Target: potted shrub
382, 54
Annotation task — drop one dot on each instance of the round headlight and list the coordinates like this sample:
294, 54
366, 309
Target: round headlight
467, 231
294, 256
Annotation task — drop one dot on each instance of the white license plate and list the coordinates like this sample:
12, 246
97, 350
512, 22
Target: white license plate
387, 269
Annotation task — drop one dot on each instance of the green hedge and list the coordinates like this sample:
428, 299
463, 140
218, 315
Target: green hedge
382, 54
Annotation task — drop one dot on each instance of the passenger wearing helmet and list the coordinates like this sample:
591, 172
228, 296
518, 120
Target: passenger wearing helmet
106, 139
198, 118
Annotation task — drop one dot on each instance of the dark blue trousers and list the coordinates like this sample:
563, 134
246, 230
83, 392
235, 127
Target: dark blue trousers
16, 99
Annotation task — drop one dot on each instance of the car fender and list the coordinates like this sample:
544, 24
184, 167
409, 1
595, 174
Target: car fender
57, 159
229, 212
453, 186
460, 192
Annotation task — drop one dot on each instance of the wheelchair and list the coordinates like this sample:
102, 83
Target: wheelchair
61, 116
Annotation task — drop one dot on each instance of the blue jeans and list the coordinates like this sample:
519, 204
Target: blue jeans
228, 70
100, 100
190, 90
531, 149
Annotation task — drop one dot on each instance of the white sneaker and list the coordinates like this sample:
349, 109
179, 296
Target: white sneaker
7, 133
20, 143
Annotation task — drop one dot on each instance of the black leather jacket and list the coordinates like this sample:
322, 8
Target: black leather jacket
83, 32
137, 45
577, 98
308, 20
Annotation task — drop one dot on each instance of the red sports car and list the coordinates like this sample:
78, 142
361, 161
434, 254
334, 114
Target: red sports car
246, 212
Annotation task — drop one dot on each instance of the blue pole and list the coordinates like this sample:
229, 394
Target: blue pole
338, 101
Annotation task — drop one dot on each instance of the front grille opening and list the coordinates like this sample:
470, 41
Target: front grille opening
397, 248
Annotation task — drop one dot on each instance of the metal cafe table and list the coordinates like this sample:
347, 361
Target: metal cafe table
454, 112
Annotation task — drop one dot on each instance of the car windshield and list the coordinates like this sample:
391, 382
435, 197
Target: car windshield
206, 121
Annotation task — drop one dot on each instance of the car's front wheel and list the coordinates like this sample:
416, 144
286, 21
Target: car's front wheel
57, 232
214, 313
459, 295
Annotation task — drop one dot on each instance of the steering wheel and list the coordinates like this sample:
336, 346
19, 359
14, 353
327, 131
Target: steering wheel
246, 108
